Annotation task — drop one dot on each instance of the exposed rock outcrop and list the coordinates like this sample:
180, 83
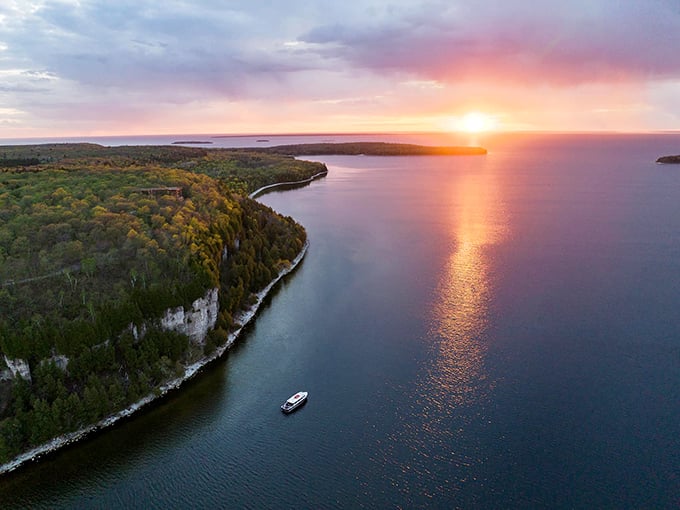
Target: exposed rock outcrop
60, 361
19, 368
196, 322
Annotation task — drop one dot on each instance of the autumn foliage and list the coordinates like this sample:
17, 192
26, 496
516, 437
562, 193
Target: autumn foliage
94, 239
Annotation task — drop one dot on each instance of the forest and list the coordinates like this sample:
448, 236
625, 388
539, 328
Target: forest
95, 244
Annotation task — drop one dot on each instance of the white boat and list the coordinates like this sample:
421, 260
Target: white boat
294, 402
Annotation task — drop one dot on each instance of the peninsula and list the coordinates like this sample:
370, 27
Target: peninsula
123, 270
373, 149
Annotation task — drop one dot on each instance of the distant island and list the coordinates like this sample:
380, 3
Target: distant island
669, 159
372, 149
194, 142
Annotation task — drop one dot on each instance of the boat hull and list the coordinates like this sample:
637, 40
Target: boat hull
288, 407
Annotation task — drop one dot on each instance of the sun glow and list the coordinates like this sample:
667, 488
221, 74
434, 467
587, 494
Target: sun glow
471, 122
476, 122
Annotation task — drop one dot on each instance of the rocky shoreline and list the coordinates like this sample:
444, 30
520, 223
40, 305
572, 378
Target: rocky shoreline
264, 189
240, 320
190, 372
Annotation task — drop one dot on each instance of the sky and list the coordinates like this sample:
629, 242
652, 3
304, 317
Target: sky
132, 67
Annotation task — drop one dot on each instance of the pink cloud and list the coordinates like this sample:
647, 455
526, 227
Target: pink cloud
563, 45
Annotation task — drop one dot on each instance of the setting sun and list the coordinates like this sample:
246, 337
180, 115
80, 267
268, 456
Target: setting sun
471, 122
475, 122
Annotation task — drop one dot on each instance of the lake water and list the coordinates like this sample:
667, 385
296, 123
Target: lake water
474, 332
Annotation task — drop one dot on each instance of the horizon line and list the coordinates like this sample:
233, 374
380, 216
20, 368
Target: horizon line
358, 133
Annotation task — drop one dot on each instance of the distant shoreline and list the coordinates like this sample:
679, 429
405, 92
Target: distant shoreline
373, 149
191, 142
669, 160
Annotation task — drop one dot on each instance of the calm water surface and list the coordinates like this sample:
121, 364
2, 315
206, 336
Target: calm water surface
474, 332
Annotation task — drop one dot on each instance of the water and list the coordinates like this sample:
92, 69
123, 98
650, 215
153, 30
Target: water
474, 332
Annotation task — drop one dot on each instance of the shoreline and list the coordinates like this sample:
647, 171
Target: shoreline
669, 160
190, 371
241, 320
263, 189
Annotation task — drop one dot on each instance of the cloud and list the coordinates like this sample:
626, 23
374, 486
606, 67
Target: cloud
176, 45
155, 46
553, 42
22, 89
88, 63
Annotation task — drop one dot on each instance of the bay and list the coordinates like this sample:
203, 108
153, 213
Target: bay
488, 332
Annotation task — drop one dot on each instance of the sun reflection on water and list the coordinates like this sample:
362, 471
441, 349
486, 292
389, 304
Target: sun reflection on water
460, 308
454, 383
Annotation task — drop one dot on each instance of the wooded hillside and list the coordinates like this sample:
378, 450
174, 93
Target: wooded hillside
96, 239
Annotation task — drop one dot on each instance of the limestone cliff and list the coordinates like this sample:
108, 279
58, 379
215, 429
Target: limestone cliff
19, 368
195, 322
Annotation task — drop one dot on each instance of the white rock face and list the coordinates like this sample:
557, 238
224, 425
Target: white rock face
196, 322
19, 368
138, 332
60, 361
